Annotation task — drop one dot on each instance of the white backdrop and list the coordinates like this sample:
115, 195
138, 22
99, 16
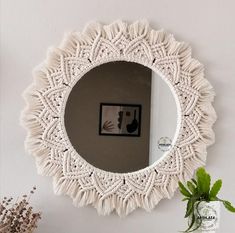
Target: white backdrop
29, 27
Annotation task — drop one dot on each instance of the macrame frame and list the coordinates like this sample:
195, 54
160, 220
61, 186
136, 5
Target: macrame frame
46, 98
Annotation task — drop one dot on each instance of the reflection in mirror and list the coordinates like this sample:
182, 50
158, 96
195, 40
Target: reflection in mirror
163, 119
121, 117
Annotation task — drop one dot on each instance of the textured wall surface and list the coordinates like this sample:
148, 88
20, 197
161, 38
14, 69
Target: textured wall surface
28, 28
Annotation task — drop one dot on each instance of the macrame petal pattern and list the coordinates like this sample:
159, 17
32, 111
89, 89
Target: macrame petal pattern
46, 98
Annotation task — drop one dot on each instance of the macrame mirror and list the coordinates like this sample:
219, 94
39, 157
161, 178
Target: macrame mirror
117, 115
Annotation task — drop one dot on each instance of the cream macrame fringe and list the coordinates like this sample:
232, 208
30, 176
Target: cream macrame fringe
159, 48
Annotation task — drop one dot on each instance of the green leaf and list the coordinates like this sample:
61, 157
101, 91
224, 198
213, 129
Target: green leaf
185, 199
184, 190
203, 180
200, 178
194, 181
215, 189
197, 221
208, 185
197, 226
190, 208
229, 206
194, 221
191, 224
191, 187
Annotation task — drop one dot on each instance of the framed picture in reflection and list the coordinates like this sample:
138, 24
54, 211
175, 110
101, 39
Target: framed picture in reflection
120, 119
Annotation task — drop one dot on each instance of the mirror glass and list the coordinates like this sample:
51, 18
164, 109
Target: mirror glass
121, 117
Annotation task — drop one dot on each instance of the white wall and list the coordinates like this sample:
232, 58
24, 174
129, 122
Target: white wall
29, 27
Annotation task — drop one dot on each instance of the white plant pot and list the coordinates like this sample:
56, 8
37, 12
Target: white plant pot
209, 212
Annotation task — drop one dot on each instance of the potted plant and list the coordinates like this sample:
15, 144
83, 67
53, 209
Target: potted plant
203, 204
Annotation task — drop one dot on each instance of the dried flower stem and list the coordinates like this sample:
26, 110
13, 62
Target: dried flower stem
18, 217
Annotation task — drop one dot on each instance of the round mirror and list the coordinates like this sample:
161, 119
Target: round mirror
121, 117
111, 132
